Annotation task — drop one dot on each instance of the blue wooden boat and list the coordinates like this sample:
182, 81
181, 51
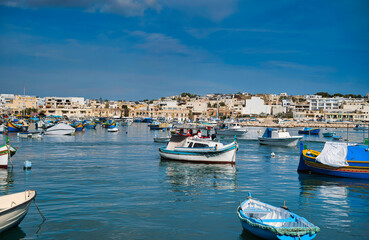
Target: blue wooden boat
336, 138
309, 131
355, 163
270, 222
78, 126
109, 124
90, 125
12, 127
328, 134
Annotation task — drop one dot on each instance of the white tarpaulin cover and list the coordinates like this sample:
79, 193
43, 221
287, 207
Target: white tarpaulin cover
333, 154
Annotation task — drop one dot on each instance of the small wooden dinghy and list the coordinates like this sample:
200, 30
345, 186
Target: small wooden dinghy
14, 207
269, 222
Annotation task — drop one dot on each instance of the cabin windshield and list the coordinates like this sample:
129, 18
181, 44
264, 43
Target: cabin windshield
200, 145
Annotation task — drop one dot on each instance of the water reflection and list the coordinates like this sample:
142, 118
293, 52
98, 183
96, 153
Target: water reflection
13, 233
60, 138
333, 196
190, 177
6, 180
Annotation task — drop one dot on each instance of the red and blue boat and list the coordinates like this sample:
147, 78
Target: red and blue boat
337, 159
309, 131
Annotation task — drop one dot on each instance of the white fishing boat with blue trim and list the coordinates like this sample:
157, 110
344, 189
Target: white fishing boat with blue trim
193, 149
278, 137
268, 222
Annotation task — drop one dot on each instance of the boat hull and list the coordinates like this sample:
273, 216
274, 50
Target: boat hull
12, 216
284, 142
310, 132
226, 155
266, 234
231, 132
4, 155
13, 128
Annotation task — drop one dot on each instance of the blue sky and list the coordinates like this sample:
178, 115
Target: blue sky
138, 49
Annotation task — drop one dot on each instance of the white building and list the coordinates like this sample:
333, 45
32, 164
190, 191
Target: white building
256, 106
319, 103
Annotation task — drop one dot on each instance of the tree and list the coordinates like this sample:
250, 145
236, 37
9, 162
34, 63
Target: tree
222, 104
323, 94
106, 104
209, 105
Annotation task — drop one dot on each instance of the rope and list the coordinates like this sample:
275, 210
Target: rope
39, 211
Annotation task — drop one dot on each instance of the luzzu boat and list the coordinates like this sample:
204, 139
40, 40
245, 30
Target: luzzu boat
78, 126
16, 127
109, 124
5, 150
309, 131
336, 159
269, 222
90, 125
193, 149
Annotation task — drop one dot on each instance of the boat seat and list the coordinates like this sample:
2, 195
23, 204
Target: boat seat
279, 220
255, 210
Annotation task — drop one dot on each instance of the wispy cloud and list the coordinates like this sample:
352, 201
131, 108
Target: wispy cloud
299, 67
206, 32
127, 8
215, 10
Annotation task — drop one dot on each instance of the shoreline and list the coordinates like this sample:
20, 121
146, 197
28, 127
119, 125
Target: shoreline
299, 124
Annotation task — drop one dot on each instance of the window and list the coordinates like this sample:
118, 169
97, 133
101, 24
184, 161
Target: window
200, 145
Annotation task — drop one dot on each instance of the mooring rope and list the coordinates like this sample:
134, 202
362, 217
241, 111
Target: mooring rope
39, 210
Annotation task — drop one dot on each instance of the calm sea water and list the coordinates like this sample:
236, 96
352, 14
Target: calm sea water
100, 185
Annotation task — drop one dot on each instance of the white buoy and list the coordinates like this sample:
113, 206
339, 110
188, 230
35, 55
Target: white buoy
27, 164
272, 154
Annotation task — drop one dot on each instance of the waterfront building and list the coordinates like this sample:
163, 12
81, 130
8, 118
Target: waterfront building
255, 106
20, 103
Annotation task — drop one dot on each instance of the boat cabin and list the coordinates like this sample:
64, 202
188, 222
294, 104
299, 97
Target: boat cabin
178, 141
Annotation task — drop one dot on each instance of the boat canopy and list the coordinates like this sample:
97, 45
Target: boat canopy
333, 154
268, 132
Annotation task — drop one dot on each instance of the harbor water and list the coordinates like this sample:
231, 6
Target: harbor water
102, 185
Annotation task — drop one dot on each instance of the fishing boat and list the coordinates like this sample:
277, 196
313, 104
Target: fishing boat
109, 124
336, 159
162, 137
78, 126
231, 129
90, 125
30, 134
328, 134
12, 127
60, 129
114, 129
6, 152
270, 222
336, 138
14, 207
278, 137
127, 121
360, 127
2, 128
194, 149
158, 125
309, 131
